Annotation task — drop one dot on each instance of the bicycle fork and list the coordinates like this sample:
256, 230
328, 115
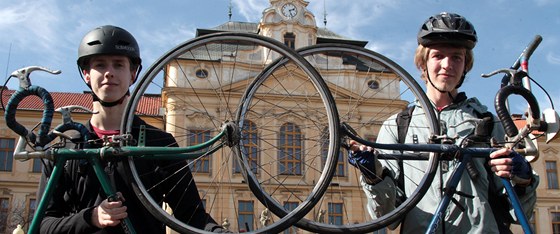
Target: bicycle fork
451, 187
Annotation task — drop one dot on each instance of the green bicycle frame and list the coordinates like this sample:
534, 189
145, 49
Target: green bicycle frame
94, 156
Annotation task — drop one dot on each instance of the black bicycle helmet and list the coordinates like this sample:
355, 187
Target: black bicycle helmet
110, 40
447, 28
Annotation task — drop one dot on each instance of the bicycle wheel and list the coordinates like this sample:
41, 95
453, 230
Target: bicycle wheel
290, 161
201, 83
368, 89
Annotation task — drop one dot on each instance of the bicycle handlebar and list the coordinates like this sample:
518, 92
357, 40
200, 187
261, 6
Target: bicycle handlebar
503, 113
46, 120
513, 77
524, 56
43, 136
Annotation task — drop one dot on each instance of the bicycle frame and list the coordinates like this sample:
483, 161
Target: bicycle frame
466, 155
94, 156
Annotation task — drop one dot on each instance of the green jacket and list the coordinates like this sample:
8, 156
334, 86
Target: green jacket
478, 216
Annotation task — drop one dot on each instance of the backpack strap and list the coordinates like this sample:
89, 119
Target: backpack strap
403, 121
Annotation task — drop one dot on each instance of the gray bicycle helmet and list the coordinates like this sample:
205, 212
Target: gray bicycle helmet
447, 28
108, 40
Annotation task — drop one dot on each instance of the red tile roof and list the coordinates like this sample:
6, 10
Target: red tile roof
149, 104
520, 123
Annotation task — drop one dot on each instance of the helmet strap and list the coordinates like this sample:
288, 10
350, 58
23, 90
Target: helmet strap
442, 91
109, 104
433, 85
461, 81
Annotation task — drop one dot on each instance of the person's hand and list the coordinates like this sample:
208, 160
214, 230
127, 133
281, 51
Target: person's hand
509, 164
364, 158
109, 213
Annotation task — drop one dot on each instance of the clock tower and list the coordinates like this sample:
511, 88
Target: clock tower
289, 21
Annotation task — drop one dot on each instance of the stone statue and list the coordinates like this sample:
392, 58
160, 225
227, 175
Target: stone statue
18, 230
264, 217
321, 216
226, 224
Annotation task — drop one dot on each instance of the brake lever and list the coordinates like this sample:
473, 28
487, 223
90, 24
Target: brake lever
66, 111
23, 74
516, 76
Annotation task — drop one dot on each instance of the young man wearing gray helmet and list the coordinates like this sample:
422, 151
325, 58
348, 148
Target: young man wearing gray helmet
109, 62
444, 56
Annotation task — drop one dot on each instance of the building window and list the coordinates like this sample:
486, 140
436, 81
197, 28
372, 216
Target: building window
552, 174
289, 206
335, 213
195, 137
290, 145
341, 164
31, 207
4, 211
201, 73
250, 142
203, 203
37, 165
6, 154
371, 138
373, 84
555, 222
532, 222
290, 40
245, 221
380, 231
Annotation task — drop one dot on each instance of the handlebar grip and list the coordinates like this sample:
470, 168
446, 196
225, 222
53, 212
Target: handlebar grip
48, 113
503, 113
84, 132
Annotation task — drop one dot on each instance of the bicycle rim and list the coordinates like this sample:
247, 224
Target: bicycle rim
202, 82
290, 163
349, 72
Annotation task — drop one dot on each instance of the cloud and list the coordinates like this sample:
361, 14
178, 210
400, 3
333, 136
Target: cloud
544, 2
250, 9
31, 24
553, 58
351, 18
154, 43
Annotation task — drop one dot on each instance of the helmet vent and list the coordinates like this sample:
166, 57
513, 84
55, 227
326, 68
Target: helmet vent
96, 42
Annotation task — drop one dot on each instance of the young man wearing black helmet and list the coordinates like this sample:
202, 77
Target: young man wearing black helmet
444, 56
109, 61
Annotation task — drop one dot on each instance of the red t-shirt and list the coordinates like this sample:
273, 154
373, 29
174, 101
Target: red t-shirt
100, 133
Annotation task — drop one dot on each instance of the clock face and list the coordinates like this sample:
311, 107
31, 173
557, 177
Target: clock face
289, 10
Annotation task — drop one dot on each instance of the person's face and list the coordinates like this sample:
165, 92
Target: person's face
109, 76
445, 66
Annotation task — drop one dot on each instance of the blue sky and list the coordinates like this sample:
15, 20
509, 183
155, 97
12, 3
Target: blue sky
47, 33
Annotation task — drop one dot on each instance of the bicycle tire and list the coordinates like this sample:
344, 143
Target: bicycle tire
308, 104
342, 57
231, 61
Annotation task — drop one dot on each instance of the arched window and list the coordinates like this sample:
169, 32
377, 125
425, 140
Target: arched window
290, 150
340, 165
249, 137
201, 73
373, 84
290, 40
196, 137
